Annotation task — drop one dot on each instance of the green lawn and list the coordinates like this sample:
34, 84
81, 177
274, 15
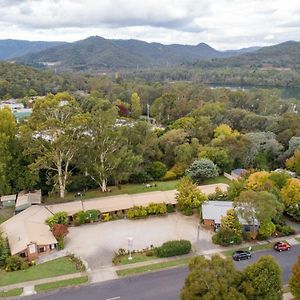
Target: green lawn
63, 283
136, 257
130, 189
297, 239
154, 267
254, 249
11, 293
57, 267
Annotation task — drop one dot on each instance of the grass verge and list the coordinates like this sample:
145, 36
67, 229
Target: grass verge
154, 267
12, 293
57, 267
136, 257
297, 239
255, 248
59, 284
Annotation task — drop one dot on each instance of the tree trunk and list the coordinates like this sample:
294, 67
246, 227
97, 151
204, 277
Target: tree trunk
103, 185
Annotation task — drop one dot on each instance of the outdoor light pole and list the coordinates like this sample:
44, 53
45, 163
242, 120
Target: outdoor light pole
130, 244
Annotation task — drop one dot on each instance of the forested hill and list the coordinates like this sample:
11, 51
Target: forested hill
10, 49
97, 53
285, 55
18, 81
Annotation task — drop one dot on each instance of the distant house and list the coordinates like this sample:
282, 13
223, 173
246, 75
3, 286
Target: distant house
8, 200
238, 173
26, 199
213, 211
27, 233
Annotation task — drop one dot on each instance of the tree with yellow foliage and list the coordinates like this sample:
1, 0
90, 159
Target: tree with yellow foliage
259, 181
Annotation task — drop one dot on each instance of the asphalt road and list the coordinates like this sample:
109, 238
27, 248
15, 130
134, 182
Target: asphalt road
161, 285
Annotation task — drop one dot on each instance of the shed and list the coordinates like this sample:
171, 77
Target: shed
8, 200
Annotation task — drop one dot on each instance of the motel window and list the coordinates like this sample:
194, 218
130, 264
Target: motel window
41, 249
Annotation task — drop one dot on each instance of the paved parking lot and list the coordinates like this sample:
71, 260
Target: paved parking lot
96, 243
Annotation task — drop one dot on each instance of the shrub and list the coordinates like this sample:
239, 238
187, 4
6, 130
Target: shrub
79, 218
285, 230
78, 262
59, 230
140, 177
136, 212
202, 169
4, 251
60, 243
157, 208
15, 263
226, 236
58, 218
106, 217
170, 208
120, 214
266, 229
170, 175
92, 215
173, 248
156, 169
247, 236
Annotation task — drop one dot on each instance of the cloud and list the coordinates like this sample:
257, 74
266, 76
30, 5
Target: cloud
223, 24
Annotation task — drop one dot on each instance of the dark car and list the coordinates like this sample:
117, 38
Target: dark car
282, 246
240, 255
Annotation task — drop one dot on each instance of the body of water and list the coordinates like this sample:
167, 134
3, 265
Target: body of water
285, 93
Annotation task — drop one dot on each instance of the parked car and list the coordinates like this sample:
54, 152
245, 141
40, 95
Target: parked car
282, 246
240, 255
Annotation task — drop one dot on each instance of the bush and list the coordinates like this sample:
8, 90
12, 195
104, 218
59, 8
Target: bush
247, 236
15, 263
58, 218
81, 183
187, 211
285, 230
170, 175
170, 208
156, 169
136, 212
92, 215
4, 251
120, 214
266, 230
59, 230
79, 218
202, 169
106, 217
157, 209
78, 262
173, 248
225, 237
60, 243
140, 177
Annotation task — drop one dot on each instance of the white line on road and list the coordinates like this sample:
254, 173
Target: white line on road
115, 298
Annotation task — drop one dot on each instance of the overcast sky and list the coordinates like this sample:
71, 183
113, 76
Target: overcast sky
223, 24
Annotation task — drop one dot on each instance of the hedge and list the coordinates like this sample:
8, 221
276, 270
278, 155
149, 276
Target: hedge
138, 212
174, 248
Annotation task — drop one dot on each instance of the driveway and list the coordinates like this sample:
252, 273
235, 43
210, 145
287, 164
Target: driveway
96, 243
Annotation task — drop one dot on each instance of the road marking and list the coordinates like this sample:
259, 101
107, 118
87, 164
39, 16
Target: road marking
115, 298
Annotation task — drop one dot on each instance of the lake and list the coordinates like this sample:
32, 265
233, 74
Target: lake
286, 93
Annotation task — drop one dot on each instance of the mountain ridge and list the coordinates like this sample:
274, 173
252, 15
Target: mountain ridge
96, 53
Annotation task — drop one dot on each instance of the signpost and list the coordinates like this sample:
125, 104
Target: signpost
130, 245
